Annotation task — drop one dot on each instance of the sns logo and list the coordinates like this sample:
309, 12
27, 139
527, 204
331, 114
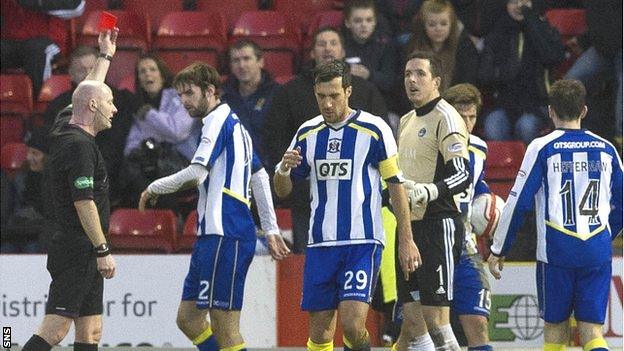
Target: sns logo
333, 169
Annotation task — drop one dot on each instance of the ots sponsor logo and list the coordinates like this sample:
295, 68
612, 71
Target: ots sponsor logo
333, 169
83, 183
579, 144
333, 146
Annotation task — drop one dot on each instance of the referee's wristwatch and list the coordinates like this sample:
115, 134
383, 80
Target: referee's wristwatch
102, 250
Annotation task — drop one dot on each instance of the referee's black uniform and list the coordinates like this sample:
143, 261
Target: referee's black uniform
75, 171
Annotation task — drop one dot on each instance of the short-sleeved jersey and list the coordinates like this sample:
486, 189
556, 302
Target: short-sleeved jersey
76, 171
429, 137
573, 180
225, 148
345, 167
477, 151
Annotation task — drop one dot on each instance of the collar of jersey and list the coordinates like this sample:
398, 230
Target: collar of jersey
428, 107
354, 115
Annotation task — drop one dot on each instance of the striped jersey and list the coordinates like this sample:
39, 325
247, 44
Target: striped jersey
345, 167
225, 148
573, 180
477, 152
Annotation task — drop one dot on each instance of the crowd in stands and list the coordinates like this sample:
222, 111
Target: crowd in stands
266, 51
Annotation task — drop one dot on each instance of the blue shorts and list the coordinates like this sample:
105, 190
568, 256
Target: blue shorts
582, 290
338, 273
471, 288
216, 277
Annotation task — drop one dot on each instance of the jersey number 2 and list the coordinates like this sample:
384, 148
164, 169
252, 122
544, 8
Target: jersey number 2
588, 205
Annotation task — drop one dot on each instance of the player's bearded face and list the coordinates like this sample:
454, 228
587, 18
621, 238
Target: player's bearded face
195, 100
333, 100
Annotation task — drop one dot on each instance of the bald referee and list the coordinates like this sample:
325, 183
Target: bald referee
78, 256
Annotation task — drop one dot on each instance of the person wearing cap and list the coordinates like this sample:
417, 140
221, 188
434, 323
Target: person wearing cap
24, 230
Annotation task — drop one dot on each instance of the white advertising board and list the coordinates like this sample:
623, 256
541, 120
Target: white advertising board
514, 319
140, 303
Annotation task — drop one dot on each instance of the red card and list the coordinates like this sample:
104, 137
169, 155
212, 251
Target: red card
107, 21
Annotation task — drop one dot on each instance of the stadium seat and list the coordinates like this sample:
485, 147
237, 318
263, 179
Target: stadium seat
231, 11
189, 233
77, 22
134, 38
275, 34
303, 11
128, 83
321, 19
17, 94
503, 160
154, 10
501, 188
13, 156
11, 129
184, 37
570, 23
283, 79
53, 87
151, 230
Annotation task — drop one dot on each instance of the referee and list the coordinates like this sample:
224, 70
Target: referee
78, 256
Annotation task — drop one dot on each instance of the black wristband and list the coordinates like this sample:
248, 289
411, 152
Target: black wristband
106, 56
102, 250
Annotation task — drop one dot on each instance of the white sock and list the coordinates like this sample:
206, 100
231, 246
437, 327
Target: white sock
444, 339
421, 343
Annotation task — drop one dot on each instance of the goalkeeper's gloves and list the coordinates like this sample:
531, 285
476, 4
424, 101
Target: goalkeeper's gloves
420, 194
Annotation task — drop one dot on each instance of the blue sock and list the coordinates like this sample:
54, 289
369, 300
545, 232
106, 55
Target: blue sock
481, 348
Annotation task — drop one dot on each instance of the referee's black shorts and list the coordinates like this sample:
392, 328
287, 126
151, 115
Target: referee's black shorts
440, 243
77, 287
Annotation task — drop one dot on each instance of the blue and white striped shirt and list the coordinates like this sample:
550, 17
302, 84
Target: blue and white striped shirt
573, 180
225, 148
345, 167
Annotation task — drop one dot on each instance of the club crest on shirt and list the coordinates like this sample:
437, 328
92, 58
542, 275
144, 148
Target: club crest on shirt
422, 132
333, 145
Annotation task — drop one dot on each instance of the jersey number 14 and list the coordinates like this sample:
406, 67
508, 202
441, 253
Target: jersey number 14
587, 207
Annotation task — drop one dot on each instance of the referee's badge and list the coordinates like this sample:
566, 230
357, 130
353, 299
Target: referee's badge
333, 145
422, 132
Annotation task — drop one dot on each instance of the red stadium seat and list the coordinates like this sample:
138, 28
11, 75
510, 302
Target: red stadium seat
151, 230
504, 159
303, 11
128, 83
569, 22
184, 37
501, 188
155, 10
16, 94
322, 19
134, 38
13, 156
53, 87
231, 11
275, 34
284, 79
189, 234
11, 129
77, 23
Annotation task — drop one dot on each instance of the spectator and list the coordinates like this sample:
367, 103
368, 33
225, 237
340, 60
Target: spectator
603, 55
111, 141
436, 29
161, 115
518, 53
26, 228
295, 103
33, 35
371, 54
249, 91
